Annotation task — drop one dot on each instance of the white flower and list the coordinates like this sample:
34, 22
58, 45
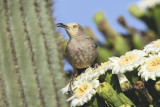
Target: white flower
145, 4
65, 90
127, 62
77, 81
71, 87
84, 92
153, 47
88, 71
99, 71
151, 68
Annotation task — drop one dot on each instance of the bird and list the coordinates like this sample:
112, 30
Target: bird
81, 48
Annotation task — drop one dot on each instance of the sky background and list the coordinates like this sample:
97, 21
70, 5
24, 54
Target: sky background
82, 11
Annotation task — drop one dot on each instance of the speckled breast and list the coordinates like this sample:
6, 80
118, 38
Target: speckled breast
81, 55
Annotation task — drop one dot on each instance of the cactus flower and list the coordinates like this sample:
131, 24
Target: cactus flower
151, 68
127, 62
100, 70
84, 93
153, 47
145, 4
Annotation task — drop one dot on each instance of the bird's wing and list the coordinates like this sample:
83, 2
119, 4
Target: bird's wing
92, 41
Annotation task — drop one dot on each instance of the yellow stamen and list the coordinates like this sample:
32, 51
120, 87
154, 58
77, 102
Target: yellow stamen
81, 91
157, 43
127, 59
153, 65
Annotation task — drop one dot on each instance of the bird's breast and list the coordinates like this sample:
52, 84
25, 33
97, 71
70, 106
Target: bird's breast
81, 54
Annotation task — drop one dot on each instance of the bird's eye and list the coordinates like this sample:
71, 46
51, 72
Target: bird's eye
74, 26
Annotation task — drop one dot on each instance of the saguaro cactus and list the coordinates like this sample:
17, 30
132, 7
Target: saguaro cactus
30, 59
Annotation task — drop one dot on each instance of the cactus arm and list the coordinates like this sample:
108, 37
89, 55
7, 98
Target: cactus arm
135, 38
40, 59
114, 39
7, 69
136, 12
28, 80
156, 16
137, 41
52, 45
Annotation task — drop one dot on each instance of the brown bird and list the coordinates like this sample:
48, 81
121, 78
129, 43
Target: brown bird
81, 48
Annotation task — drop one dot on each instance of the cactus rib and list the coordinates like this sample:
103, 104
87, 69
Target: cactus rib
2, 92
31, 51
51, 44
22, 54
39, 53
7, 65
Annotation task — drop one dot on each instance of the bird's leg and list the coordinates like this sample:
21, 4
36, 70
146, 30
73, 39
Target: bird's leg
71, 82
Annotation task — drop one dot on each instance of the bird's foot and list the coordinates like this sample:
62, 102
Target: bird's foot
71, 83
70, 87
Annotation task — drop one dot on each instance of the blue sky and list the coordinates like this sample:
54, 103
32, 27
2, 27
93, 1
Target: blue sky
82, 11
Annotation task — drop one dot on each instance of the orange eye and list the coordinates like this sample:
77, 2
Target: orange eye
74, 26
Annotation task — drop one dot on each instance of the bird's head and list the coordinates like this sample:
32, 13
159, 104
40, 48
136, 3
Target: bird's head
73, 29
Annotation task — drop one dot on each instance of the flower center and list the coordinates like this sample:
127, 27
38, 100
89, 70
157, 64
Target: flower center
157, 43
153, 65
82, 90
127, 59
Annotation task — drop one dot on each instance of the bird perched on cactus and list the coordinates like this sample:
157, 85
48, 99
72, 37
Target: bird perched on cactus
81, 48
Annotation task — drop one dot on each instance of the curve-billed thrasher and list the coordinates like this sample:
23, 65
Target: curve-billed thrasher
81, 48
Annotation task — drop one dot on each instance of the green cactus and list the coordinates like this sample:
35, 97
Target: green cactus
30, 59
114, 39
136, 40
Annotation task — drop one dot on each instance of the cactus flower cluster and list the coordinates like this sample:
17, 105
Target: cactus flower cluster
142, 64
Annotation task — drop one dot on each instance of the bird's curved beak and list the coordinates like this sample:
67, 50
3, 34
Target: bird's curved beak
61, 25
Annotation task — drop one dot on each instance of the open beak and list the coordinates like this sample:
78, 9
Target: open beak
61, 25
